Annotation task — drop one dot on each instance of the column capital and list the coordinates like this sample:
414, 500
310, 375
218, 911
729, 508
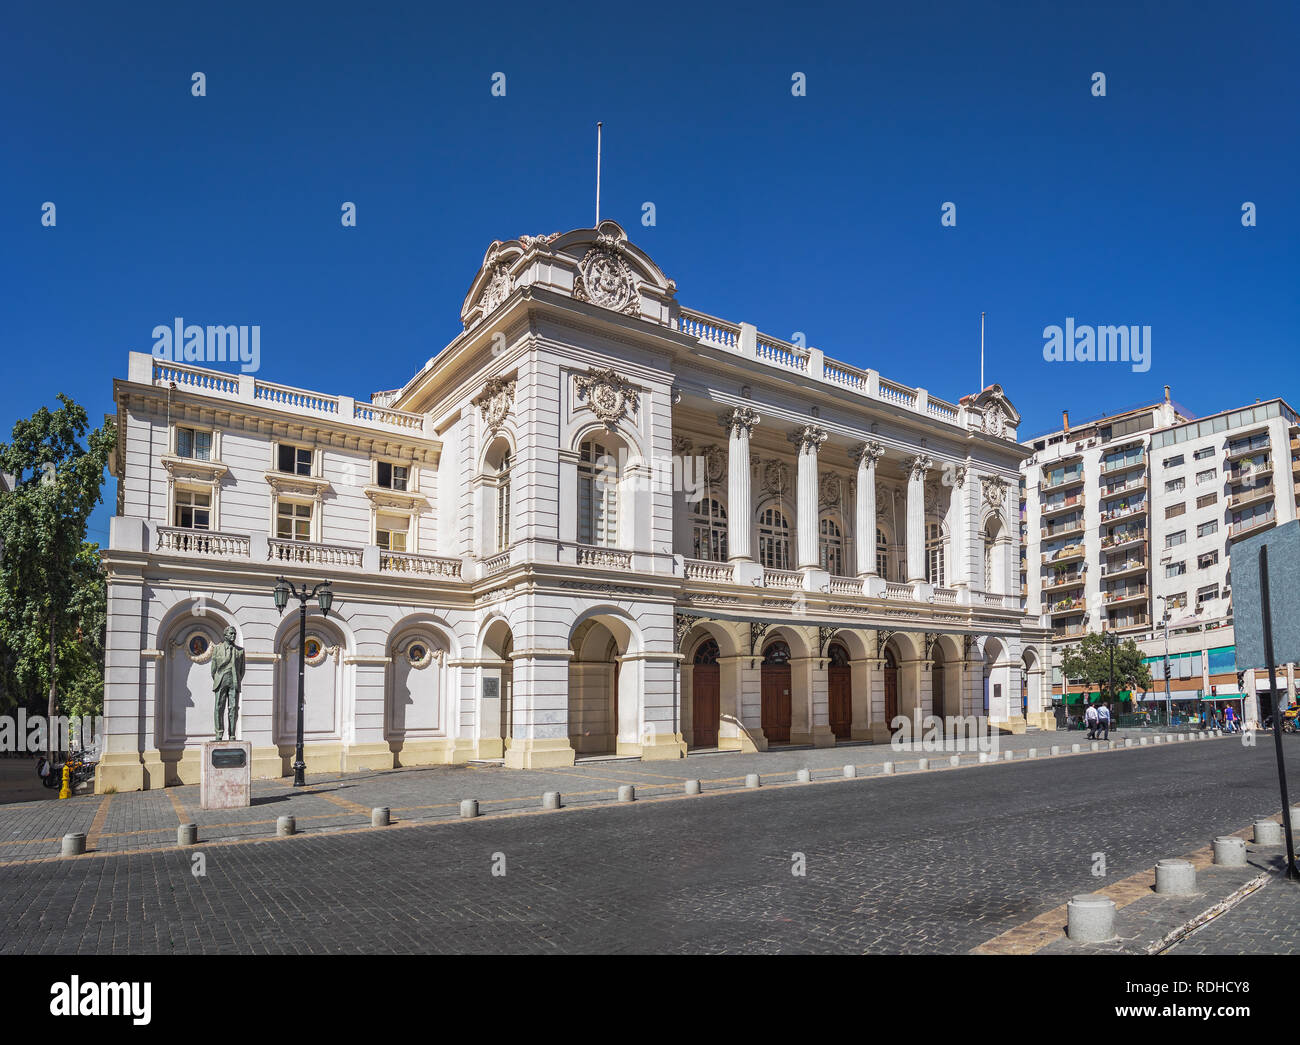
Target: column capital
808, 438
740, 418
922, 464
866, 455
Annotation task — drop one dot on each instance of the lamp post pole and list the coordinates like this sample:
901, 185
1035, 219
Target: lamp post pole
324, 596
1111, 641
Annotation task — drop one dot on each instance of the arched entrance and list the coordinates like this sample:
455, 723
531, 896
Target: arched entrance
839, 678
776, 683
891, 686
706, 694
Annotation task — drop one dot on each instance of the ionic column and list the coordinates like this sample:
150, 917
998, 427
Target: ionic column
738, 422
808, 440
916, 519
864, 516
959, 574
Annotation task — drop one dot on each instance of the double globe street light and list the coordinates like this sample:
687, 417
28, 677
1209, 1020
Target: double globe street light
324, 596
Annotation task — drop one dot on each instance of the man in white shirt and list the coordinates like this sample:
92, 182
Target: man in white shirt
1091, 718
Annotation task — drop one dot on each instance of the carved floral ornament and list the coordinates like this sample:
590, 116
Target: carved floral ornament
921, 465
604, 278
868, 454
995, 490
776, 478
608, 395
495, 401
808, 438
741, 419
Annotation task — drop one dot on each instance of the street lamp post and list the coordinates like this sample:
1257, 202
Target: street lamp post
1169, 709
324, 596
1111, 640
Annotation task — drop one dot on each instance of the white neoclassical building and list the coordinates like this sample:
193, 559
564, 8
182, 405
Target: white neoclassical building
595, 523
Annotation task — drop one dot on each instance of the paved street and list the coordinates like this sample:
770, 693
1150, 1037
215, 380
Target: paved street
918, 862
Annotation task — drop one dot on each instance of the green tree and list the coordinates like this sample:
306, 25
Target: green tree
52, 590
1089, 662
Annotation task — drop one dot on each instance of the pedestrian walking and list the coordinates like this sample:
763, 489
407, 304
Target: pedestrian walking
1229, 720
1103, 720
1091, 718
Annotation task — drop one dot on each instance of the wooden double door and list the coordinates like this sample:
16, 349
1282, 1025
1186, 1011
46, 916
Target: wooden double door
776, 707
839, 678
706, 704
891, 688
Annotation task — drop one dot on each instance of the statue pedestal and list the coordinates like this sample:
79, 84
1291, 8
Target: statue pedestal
226, 774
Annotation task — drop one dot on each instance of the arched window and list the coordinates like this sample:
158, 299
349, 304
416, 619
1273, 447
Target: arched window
773, 539
882, 556
934, 564
992, 534
709, 525
831, 547
597, 495
838, 655
503, 503
777, 652
708, 652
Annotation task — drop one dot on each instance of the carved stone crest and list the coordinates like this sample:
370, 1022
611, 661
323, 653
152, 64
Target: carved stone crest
995, 490
994, 421
715, 463
604, 278
609, 396
776, 478
831, 490
495, 401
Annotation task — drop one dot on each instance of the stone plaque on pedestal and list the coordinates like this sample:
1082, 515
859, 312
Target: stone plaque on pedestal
226, 777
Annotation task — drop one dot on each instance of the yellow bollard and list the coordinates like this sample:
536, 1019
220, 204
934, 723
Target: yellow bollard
66, 790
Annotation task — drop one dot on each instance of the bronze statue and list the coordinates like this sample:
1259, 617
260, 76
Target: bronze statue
227, 677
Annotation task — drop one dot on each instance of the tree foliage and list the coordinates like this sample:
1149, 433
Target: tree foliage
1089, 662
52, 586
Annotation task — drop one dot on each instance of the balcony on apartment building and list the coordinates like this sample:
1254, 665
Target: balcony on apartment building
1070, 477
1244, 527
1062, 579
1126, 622
1126, 565
1250, 494
1063, 504
1118, 596
1070, 631
1065, 607
1124, 539
1124, 510
1131, 483
1239, 448
1067, 554
1123, 464
1063, 528
1251, 468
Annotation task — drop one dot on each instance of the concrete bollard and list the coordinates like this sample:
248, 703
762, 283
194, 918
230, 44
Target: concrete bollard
187, 834
469, 808
922, 763
1158, 739
1230, 851
886, 768
803, 776
1076, 748
285, 826
955, 760
1143, 741
1175, 878
1182, 737
1128, 741
1056, 749
850, 772
1095, 746
1010, 756
1169, 738
692, 787
551, 800
1295, 817
73, 845
1267, 832
379, 816
1091, 918
626, 793
984, 757
752, 780
1033, 753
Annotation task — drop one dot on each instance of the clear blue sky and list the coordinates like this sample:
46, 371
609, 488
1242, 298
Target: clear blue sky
819, 214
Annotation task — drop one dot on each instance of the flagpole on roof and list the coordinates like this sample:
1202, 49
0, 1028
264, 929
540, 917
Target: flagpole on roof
981, 388
597, 225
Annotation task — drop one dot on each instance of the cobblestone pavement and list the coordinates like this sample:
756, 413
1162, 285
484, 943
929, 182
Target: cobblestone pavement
1265, 922
920, 862
148, 820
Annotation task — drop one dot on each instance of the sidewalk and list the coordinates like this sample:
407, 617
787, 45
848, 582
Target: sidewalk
136, 821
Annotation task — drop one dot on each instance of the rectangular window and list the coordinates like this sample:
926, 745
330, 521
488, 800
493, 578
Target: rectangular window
1206, 477
1204, 562
193, 509
1208, 594
391, 476
1174, 485
292, 520
1175, 569
1173, 462
597, 496
391, 531
296, 460
1177, 602
1175, 510
1174, 539
1206, 500
194, 443
1203, 453
1205, 529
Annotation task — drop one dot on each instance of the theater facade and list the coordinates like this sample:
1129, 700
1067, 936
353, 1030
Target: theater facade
595, 523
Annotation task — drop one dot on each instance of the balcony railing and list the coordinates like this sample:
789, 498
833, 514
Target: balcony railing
787, 579
1125, 594
1069, 552
606, 558
1112, 569
706, 570
420, 565
1250, 494
1107, 467
1125, 512
1063, 580
1060, 506
1069, 478
1255, 522
496, 563
310, 553
1248, 446
845, 586
1060, 529
207, 544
